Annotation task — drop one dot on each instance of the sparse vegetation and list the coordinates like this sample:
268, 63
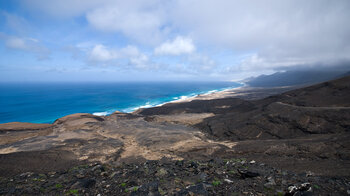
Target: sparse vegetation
187, 178
73, 192
216, 183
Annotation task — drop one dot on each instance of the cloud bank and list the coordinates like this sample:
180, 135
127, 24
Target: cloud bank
200, 36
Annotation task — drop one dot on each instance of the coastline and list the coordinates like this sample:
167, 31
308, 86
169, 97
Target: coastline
230, 135
226, 93
218, 94
243, 92
46, 103
211, 94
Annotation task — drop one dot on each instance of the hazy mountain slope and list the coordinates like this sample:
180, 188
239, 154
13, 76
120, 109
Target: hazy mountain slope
318, 109
290, 78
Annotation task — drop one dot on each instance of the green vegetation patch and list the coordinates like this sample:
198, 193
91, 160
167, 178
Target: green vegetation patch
73, 192
216, 183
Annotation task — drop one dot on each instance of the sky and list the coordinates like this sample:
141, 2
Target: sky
173, 40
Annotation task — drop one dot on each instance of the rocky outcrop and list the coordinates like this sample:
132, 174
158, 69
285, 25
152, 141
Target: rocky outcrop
20, 126
78, 118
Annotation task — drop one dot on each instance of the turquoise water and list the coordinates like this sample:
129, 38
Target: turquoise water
44, 103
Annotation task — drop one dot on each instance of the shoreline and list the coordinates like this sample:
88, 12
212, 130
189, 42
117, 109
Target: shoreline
244, 92
44, 103
211, 94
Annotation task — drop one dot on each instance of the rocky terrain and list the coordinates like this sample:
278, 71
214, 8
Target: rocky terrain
248, 142
167, 177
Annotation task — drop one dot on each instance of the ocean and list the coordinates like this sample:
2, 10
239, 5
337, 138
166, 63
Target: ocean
46, 102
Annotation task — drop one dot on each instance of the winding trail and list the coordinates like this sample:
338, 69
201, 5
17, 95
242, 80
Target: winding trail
314, 108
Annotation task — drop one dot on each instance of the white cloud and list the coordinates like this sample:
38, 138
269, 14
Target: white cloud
101, 53
16, 43
141, 61
141, 21
30, 45
279, 33
203, 63
283, 34
178, 46
130, 51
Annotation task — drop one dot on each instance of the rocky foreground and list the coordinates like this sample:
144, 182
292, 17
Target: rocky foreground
165, 177
248, 142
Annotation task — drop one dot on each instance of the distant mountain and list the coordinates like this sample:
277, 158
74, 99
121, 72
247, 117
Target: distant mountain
291, 78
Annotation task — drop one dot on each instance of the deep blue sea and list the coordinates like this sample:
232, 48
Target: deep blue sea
45, 102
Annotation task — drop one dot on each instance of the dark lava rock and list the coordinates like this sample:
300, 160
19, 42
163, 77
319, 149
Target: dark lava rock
98, 168
87, 183
198, 189
302, 190
143, 179
84, 183
193, 164
217, 161
203, 176
147, 189
247, 174
179, 163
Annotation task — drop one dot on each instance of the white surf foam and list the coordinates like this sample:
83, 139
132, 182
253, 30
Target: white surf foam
101, 113
175, 99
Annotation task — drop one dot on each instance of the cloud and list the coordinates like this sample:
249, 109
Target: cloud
279, 33
272, 34
142, 21
201, 63
127, 56
101, 53
62, 8
17, 43
15, 23
141, 61
30, 45
178, 46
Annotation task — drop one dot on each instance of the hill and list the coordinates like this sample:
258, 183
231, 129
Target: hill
292, 78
